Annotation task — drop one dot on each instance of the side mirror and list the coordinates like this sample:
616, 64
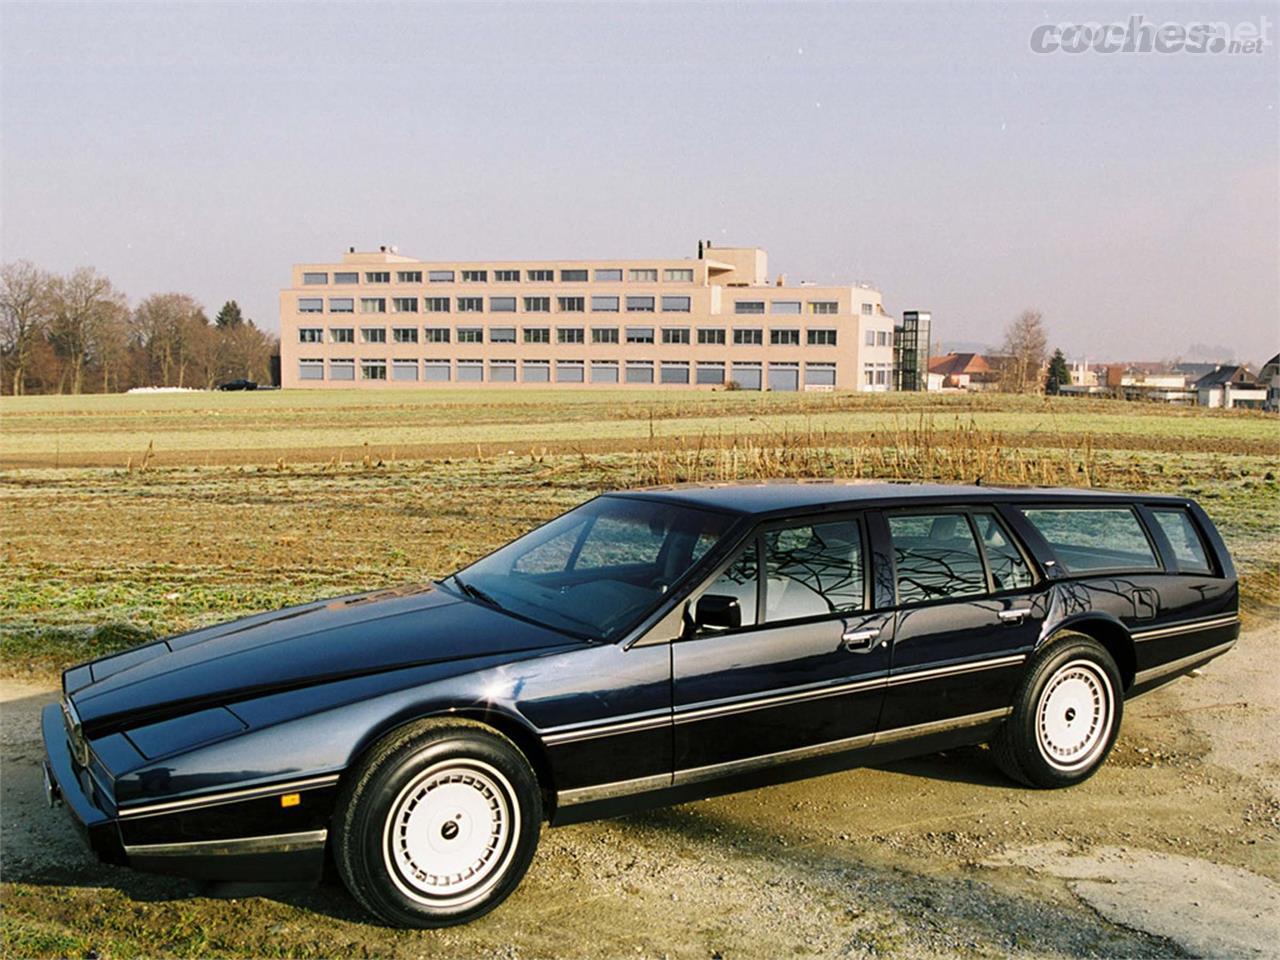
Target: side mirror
718, 611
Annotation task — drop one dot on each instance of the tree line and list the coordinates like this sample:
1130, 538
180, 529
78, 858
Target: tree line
77, 334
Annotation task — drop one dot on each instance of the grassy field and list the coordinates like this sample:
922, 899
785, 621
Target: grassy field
126, 517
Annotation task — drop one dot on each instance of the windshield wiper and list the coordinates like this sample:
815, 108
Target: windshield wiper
471, 590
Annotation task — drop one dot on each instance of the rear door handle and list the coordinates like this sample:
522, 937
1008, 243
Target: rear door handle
858, 641
1016, 615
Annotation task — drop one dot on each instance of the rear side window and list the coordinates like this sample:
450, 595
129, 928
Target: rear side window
1188, 548
1094, 538
936, 557
813, 571
1009, 570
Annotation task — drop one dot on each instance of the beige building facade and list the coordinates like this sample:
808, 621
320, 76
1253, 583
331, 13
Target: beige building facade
378, 319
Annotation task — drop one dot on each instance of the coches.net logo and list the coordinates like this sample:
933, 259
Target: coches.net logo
1138, 35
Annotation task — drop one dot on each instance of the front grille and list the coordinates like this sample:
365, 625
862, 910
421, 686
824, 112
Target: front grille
75, 736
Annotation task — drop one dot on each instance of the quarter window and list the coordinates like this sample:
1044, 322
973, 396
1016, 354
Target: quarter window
1009, 570
1094, 538
1181, 532
936, 556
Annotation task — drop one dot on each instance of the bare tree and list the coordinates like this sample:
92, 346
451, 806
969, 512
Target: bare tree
24, 315
82, 305
170, 329
1025, 344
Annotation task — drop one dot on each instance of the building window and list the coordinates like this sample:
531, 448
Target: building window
475, 276
435, 334
537, 304
675, 304
373, 369
678, 275
570, 335
639, 334
785, 306
784, 376
342, 369
502, 304
882, 338
378, 276
310, 335
404, 304
675, 334
822, 338
784, 338
639, 371
436, 305
342, 305
342, 335
435, 371
373, 305
711, 335
404, 334
506, 276
470, 371
471, 304
572, 304
313, 279
537, 334
536, 371
373, 334
642, 275
539, 276
570, 371
409, 276
824, 306
440, 276
639, 304
310, 369
710, 373
748, 306
748, 337
882, 378
867, 309
604, 371
502, 371
310, 305
819, 374
604, 334
609, 275
604, 304
471, 335
871, 338
346, 278
404, 369
502, 334
676, 372
573, 276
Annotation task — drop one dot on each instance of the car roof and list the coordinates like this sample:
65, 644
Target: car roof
787, 496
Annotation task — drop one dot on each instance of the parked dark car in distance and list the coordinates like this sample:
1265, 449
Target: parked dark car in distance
645, 648
241, 384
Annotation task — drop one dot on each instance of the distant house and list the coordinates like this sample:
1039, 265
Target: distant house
962, 371
1231, 386
1269, 377
1149, 381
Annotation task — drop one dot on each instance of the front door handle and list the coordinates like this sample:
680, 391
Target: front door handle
1016, 615
859, 641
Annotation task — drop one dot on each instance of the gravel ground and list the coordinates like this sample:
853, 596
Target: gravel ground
933, 857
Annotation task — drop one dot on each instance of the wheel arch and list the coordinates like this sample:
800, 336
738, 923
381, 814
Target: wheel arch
1109, 632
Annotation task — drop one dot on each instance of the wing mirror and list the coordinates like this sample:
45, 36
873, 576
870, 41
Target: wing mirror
717, 612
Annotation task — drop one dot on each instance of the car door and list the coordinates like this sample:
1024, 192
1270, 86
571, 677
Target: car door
970, 608
799, 670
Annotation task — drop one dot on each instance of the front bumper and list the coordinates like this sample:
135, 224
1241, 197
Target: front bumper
91, 812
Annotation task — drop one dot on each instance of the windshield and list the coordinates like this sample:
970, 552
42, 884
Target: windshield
596, 570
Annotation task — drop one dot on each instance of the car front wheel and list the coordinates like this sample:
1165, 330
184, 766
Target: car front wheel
1066, 715
438, 824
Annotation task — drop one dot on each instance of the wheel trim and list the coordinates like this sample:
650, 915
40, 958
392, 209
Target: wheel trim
1074, 716
451, 833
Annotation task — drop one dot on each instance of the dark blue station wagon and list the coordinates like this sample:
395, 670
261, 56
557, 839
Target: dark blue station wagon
645, 648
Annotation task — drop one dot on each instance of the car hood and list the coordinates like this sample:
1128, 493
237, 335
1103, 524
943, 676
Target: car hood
300, 646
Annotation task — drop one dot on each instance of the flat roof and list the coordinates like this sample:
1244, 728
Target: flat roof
772, 496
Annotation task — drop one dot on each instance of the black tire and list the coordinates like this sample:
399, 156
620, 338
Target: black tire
1066, 715
479, 830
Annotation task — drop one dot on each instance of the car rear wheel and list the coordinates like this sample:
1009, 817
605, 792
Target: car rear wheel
1066, 715
438, 824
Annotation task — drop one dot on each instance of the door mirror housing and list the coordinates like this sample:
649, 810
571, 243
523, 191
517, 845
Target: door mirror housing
718, 612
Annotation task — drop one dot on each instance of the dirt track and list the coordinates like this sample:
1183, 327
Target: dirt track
1172, 849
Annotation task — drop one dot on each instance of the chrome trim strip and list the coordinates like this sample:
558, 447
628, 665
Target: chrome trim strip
970, 667
747, 764
276, 843
607, 729
773, 700
212, 799
1173, 666
941, 726
1189, 626
605, 791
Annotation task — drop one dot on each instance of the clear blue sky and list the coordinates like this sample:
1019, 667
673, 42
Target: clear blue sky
921, 147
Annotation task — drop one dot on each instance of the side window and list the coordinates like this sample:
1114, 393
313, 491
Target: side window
740, 580
1185, 539
936, 557
1094, 538
813, 570
1009, 570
